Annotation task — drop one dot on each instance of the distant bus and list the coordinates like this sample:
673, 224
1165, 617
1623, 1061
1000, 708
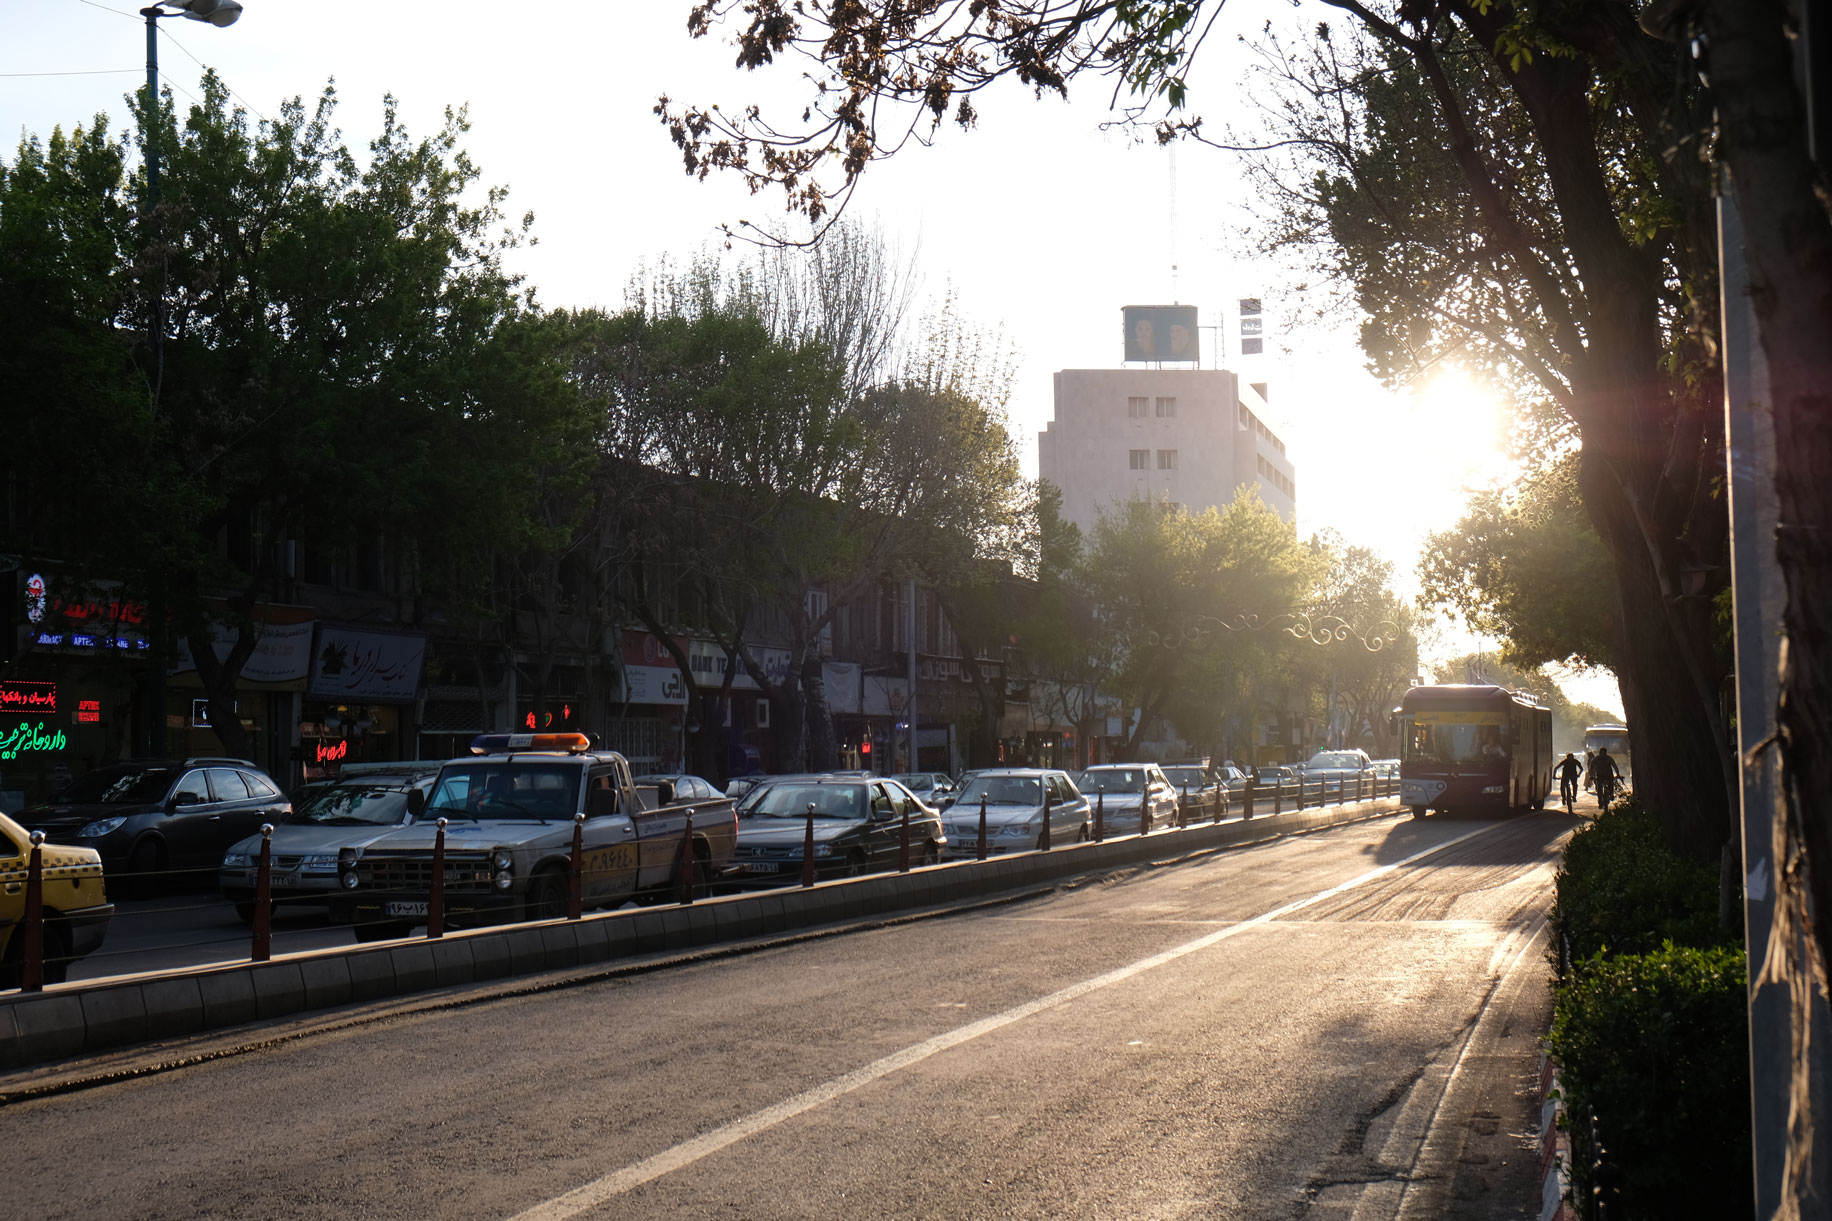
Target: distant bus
1473, 750
1612, 735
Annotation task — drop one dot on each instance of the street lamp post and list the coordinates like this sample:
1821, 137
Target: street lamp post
219, 13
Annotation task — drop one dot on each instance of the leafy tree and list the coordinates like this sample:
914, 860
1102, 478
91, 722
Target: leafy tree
321, 324
1501, 185
1526, 565
1170, 584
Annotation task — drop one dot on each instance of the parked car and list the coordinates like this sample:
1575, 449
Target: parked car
930, 786
1232, 778
960, 784
1199, 788
352, 811
151, 816
510, 810
1387, 769
75, 908
1332, 764
1014, 811
858, 827
1126, 786
686, 788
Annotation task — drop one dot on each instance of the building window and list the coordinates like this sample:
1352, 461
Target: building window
1246, 417
1167, 408
1141, 459
1135, 407
1167, 459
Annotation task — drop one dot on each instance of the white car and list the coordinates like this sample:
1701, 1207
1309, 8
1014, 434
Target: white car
1014, 802
1123, 787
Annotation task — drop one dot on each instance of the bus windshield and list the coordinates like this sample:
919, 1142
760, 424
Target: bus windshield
1450, 737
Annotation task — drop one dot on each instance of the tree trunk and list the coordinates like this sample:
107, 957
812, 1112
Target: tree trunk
220, 678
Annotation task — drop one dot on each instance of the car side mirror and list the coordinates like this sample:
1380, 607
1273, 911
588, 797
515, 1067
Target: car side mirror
664, 793
416, 802
181, 799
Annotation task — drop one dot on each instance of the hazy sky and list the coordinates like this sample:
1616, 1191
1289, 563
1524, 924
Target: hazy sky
1041, 224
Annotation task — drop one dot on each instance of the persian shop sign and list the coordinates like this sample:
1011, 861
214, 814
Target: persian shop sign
30, 740
28, 697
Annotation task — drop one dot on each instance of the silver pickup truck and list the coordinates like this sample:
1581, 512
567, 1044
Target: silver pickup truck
509, 813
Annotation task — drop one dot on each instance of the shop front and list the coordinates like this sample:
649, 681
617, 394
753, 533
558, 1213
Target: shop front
267, 692
359, 699
75, 697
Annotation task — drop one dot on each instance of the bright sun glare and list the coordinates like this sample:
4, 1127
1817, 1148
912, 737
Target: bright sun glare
1461, 431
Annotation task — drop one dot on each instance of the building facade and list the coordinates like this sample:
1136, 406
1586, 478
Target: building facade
1179, 436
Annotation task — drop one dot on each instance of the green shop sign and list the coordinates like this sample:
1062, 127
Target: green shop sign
29, 740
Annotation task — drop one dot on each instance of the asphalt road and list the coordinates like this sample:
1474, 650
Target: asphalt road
1337, 1025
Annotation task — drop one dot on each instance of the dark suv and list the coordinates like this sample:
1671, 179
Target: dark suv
148, 816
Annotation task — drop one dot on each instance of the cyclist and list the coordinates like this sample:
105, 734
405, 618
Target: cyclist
1568, 770
1604, 771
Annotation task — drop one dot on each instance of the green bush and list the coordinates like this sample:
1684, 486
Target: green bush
1621, 890
1657, 1045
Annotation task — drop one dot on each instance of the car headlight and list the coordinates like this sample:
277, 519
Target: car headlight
234, 860
505, 880
349, 879
101, 826
324, 862
502, 861
823, 849
1014, 829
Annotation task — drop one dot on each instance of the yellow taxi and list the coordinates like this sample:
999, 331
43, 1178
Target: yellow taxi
76, 912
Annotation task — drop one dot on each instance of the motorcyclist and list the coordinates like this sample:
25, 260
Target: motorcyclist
1568, 771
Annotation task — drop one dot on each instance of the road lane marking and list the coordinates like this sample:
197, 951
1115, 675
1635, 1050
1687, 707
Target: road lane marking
609, 1186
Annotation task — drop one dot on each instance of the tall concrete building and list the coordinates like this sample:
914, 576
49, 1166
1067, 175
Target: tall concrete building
1188, 437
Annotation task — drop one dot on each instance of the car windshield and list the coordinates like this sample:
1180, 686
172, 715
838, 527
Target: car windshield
353, 805
1004, 790
918, 783
505, 791
1117, 780
793, 800
1181, 776
120, 786
1334, 758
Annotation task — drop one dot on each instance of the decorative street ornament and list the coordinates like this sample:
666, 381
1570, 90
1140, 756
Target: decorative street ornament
1300, 625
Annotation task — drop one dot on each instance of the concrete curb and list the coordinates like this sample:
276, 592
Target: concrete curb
92, 1016
1554, 1147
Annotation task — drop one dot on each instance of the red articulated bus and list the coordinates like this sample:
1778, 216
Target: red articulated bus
1473, 750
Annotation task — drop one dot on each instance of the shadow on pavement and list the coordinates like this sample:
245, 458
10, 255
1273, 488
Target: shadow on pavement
1518, 838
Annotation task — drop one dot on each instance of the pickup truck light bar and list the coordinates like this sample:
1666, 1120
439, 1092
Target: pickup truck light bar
497, 743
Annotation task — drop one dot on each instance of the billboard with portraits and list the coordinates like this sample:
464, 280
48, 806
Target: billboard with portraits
1161, 332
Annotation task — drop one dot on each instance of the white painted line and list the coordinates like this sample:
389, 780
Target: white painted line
608, 1187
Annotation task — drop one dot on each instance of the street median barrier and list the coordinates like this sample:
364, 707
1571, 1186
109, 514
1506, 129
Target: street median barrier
91, 1016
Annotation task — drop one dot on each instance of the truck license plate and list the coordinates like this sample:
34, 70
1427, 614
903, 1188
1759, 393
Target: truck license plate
404, 908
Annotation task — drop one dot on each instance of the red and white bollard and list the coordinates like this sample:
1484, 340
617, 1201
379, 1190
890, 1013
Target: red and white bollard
689, 866
575, 872
435, 897
32, 969
263, 921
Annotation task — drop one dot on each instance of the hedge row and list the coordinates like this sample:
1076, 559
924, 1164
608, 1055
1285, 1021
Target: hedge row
1650, 1027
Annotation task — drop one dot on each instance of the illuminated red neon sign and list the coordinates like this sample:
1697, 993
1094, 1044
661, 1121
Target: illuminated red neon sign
88, 712
333, 753
22, 696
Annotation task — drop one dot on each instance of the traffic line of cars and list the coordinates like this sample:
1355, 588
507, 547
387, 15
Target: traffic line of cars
504, 823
